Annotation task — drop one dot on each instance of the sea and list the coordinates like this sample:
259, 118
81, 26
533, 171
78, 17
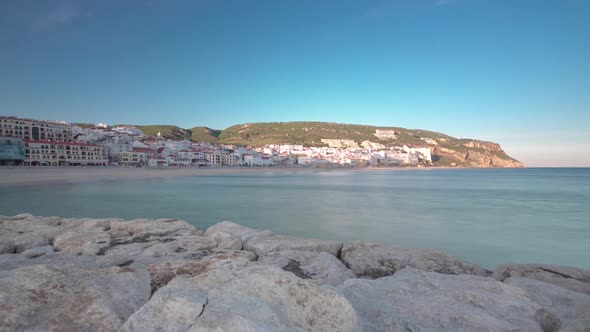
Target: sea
486, 216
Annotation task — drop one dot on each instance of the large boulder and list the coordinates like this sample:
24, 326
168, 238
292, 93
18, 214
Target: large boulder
82, 242
12, 261
65, 261
572, 308
153, 227
226, 240
370, 260
27, 241
319, 267
261, 245
415, 300
163, 271
53, 297
572, 278
158, 247
172, 308
257, 298
38, 251
242, 232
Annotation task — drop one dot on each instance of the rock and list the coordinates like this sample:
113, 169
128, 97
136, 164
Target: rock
154, 227
320, 267
572, 308
36, 252
261, 245
572, 278
12, 261
46, 297
63, 261
6, 243
149, 251
242, 232
82, 242
28, 241
162, 272
257, 298
171, 308
370, 260
415, 300
226, 240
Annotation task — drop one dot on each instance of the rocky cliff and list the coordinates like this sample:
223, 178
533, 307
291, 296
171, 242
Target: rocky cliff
473, 154
60, 274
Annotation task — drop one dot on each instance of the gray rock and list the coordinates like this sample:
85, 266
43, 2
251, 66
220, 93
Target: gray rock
163, 271
319, 267
29, 240
242, 232
172, 308
162, 248
12, 261
154, 227
6, 242
82, 242
415, 300
572, 308
261, 245
370, 260
63, 261
226, 240
572, 278
44, 297
36, 252
257, 298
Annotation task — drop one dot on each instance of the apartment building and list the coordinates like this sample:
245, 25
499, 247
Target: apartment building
132, 158
52, 153
28, 129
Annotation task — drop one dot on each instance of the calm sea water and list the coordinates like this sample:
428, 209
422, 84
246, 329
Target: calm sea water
489, 216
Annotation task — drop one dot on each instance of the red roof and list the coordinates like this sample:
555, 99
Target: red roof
160, 150
60, 143
144, 150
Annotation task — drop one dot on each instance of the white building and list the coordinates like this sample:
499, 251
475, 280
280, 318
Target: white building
128, 130
28, 129
51, 153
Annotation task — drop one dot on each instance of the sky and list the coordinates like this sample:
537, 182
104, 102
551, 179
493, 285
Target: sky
515, 72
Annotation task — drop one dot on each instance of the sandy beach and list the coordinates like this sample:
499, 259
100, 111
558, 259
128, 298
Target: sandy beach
42, 175
37, 175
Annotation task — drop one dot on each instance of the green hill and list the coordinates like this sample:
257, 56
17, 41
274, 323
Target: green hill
167, 131
311, 133
446, 150
204, 134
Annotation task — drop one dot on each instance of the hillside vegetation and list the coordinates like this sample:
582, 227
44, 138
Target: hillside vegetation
204, 134
446, 150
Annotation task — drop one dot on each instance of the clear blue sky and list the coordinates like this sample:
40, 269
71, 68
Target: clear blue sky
515, 72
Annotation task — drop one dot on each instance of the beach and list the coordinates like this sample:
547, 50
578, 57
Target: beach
46, 175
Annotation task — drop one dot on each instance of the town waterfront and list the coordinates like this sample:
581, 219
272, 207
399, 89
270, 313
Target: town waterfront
487, 216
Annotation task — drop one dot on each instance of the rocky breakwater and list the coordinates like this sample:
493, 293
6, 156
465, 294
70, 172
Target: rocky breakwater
63, 274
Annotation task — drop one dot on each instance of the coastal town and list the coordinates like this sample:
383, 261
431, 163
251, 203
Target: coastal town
30, 142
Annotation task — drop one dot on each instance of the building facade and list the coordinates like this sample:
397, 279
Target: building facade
51, 153
132, 158
28, 129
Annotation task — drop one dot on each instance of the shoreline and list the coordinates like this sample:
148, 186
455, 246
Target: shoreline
21, 175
